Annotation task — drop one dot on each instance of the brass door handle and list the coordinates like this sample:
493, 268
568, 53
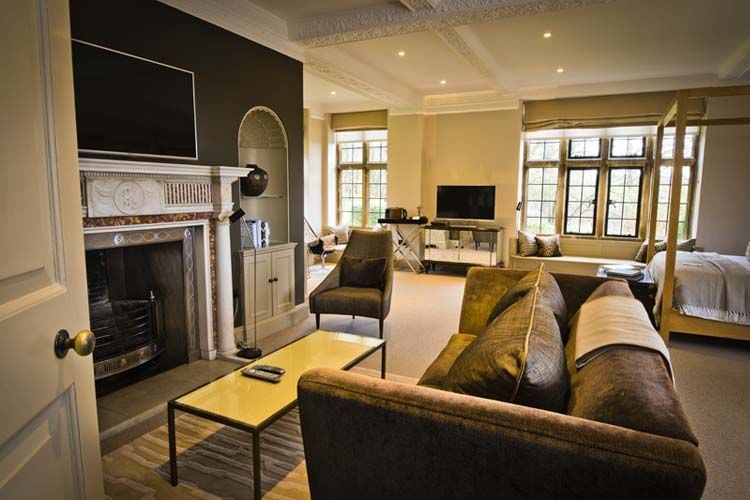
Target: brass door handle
83, 343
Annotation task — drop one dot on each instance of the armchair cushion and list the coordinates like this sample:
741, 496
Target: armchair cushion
349, 300
362, 273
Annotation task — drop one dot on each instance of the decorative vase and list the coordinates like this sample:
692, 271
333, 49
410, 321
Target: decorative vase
255, 182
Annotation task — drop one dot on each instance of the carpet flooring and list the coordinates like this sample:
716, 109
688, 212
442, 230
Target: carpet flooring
711, 374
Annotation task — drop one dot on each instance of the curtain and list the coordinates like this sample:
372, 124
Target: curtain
602, 111
360, 121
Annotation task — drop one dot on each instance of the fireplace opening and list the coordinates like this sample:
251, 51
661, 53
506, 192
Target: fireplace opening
140, 311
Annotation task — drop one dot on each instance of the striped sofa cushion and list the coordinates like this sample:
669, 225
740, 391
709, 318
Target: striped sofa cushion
527, 244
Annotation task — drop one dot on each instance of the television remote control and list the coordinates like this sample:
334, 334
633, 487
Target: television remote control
272, 369
261, 375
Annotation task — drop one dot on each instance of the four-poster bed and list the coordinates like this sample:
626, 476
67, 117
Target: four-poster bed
676, 115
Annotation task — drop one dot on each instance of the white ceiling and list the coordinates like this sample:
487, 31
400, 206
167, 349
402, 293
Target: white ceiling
491, 52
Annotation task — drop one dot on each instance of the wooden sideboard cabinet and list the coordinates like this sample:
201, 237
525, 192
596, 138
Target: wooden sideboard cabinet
274, 268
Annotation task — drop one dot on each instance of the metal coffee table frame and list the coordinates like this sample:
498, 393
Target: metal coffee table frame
253, 430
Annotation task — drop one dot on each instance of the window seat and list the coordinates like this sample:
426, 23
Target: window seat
600, 254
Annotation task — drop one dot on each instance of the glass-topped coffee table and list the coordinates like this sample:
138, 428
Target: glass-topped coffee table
252, 405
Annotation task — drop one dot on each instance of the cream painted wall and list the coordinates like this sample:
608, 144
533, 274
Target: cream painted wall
724, 212
314, 144
405, 151
474, 148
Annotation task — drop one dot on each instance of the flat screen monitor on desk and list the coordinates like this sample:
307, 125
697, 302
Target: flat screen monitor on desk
466, 202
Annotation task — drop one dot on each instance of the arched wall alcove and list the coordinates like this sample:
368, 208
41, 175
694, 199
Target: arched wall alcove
262, 140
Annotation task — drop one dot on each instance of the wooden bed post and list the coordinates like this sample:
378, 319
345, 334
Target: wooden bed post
680, 116
651, 228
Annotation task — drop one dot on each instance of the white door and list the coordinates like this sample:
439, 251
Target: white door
263, 287
49, 438
283, 280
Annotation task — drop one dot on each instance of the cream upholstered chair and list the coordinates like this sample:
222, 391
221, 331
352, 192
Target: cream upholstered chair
332, 298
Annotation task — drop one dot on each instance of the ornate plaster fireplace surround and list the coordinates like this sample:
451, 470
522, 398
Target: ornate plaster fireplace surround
121, 198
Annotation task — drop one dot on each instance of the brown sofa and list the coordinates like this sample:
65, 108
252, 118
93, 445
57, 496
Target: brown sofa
367, 438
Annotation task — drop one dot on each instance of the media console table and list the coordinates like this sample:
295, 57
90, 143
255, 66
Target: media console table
466, 245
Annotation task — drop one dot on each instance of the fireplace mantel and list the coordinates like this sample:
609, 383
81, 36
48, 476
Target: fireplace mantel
112, 188
127, 189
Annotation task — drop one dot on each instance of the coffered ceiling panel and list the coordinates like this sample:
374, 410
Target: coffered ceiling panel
323, 96
624, 40
427, 61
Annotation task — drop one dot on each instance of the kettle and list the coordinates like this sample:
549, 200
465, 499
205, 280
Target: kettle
395, 213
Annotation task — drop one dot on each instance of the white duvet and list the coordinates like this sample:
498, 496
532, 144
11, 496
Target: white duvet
707, 285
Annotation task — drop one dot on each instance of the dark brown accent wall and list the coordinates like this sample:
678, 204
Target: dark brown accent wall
232, 74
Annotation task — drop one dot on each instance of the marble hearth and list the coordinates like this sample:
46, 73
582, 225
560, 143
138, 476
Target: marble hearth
122, 200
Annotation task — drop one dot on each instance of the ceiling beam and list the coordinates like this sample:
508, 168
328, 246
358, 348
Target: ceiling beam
414, 5
737, 64
379, 21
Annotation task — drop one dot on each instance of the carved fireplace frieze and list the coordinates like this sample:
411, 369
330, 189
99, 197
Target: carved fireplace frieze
112, 188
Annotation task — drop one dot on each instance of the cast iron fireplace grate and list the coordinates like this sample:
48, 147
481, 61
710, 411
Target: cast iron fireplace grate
128, 331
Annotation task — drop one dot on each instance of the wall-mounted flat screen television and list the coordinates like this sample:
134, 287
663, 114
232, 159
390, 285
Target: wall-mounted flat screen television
466, 202
127, 105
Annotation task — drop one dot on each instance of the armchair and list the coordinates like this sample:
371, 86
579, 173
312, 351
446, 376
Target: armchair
332, 298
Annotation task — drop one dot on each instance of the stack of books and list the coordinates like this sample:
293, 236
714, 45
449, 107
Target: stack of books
624, 271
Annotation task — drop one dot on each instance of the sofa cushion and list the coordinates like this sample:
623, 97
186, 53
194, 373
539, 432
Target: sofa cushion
624, 386
350, 300
438, 369
527, 244
550, 295
519, 358
617, 288
362, 273
549, 246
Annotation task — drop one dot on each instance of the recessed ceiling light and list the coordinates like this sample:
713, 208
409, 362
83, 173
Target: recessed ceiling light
401, 53
443, 82
547, 35
560, 70
333, 92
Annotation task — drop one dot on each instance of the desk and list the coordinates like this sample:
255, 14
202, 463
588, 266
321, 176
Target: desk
405, 234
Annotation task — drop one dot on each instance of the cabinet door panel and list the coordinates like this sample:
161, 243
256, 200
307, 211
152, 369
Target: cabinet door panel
262, 287
283, 272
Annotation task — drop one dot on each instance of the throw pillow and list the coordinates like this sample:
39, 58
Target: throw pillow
550, 295
527, 244
439, 368
549, 246
341, 232
362, 273
519, 359
747, 252
661, 246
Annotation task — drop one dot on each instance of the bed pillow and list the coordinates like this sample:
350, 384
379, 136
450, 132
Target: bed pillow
747, 252
661, 246
527, 244
549, 246
362, 273
519, 358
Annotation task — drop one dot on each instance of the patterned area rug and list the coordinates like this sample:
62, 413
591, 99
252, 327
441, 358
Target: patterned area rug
213, 461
